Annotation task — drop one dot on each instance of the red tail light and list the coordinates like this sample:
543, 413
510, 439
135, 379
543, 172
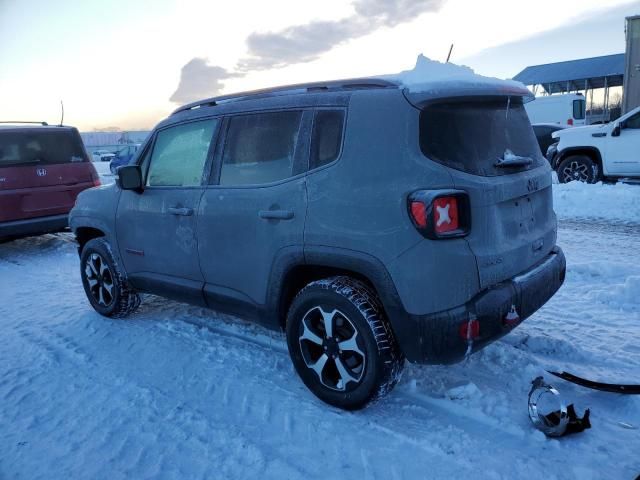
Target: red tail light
446, 214
95, 178
440, 213
570, 121
470, 330
419, 213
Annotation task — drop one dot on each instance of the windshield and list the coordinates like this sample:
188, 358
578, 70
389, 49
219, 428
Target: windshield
42, 147
476, 135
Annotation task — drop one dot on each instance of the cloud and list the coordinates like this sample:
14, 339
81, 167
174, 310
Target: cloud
200, 80
304, 43
298, 44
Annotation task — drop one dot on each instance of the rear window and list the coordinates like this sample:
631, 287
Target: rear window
40, 147
474, 135
579, 109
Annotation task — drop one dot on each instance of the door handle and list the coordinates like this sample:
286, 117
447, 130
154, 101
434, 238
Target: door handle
276, 214
185, 212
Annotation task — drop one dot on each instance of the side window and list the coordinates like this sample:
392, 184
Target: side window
633, 122
259, 148
179, 154
579, 107
326, 138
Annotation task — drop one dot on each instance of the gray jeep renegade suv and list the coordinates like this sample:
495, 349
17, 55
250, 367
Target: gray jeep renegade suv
369, 222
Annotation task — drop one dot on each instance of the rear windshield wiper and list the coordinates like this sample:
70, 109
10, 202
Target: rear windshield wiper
510, 159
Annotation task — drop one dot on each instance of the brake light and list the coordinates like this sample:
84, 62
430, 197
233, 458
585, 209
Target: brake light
95, 178
570, 121
419, 213
446, 214
440, 213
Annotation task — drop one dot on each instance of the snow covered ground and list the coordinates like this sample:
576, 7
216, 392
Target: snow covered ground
181, 392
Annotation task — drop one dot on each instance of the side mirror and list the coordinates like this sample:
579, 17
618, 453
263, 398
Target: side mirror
130, 177
616, 130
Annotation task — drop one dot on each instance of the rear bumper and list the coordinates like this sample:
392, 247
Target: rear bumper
439, 338
32, 226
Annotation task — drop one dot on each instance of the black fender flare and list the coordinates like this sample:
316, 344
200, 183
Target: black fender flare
342, 259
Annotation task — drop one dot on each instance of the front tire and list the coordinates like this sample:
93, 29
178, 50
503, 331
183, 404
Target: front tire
579, 168
104, 281
341, 343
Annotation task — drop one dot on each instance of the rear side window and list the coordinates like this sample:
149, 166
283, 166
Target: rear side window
633, 122
179, 154
474, 135
259, 148
327, 137
41, 147
579, 109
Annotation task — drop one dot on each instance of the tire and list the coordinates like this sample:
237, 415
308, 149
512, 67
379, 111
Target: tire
111, 294
578, 168
360, 348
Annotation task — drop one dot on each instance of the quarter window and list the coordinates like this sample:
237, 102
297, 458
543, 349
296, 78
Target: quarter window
259, 148
179, 154
633, 122
579, 107
327, 137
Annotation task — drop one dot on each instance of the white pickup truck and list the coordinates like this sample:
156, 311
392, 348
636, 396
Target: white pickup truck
598, 152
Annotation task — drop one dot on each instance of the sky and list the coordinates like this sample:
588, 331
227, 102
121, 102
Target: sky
128, 64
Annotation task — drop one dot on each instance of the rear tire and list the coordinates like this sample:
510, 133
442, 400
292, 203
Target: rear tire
341, 343
578, 168
104, 281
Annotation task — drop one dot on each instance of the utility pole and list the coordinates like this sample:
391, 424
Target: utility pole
631, 92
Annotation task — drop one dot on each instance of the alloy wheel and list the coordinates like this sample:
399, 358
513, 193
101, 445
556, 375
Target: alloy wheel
99, 279
575, 171
329, 345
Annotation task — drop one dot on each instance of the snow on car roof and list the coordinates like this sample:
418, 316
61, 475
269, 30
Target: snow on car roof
430, 75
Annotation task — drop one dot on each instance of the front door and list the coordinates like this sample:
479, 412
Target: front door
156, 228
623, 151
253, 215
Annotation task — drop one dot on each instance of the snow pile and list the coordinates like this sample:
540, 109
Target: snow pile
619, 203
625, 296
430, 74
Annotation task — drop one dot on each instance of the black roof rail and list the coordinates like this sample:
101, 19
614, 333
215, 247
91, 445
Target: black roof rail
333, 85
44, 124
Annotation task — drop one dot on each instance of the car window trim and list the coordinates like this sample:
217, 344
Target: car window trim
214, 178
208, 160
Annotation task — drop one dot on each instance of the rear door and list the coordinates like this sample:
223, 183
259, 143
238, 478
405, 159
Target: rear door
156, 228
42, 170
252, 215
513, 225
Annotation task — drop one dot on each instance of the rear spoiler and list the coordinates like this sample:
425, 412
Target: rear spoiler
419, 95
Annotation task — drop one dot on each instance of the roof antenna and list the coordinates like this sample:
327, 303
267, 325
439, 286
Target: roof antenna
449, 56
62, 116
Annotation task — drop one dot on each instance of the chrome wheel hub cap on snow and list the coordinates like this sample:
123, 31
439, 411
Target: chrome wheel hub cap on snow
329, 345
99, 279
576, 171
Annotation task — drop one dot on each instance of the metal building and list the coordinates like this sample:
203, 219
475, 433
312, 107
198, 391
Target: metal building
631, 97
582, 75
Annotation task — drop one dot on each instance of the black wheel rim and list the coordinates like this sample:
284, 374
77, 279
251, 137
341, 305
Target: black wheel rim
575, 171
330, 347
99, 279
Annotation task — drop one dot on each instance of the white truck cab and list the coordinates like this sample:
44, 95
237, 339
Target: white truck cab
598, 152
569, 109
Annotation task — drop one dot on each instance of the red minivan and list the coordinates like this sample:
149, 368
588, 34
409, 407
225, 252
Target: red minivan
42, 170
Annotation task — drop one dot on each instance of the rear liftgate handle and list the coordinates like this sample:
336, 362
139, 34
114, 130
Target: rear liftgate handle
275, 214
185, 212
